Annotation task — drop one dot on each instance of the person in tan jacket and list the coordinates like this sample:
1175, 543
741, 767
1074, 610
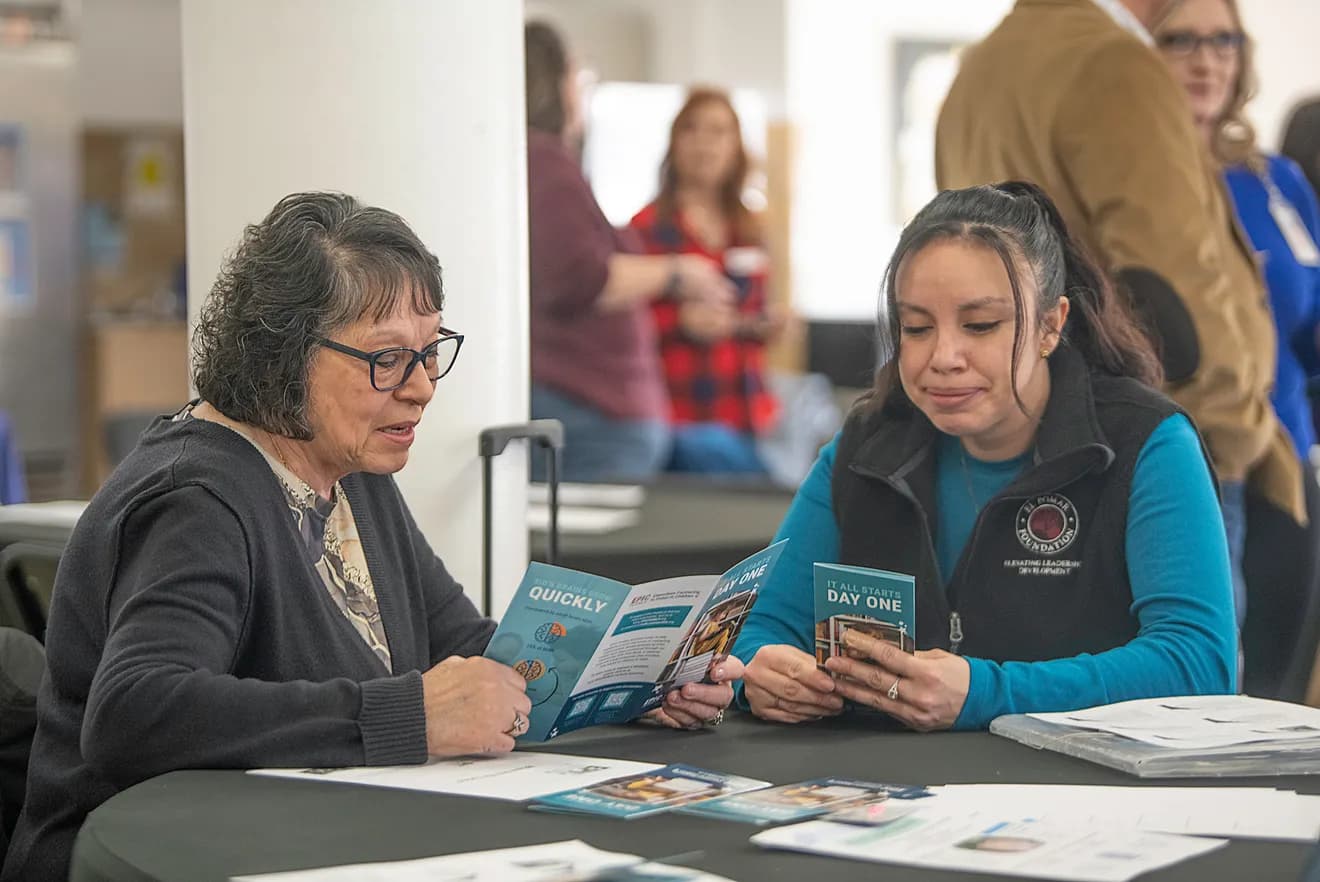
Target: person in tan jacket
1071, 95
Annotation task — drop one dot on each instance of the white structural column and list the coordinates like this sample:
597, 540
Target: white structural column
412, 106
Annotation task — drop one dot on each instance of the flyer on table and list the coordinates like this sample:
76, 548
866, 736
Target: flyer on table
648, 793
596, 651
806, 799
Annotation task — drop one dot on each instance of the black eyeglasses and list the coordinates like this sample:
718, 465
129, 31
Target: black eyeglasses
1224, 44
391, 368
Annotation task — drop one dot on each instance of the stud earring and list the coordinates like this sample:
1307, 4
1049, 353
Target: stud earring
1044, 352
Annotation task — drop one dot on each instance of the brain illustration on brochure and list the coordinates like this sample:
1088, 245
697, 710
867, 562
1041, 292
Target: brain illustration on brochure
595, 651
879, 603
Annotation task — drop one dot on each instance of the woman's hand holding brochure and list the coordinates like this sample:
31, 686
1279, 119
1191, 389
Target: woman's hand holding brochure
700, 704
924, 691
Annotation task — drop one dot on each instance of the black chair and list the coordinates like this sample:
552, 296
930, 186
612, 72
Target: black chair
1281, 634
22, 664
27, 577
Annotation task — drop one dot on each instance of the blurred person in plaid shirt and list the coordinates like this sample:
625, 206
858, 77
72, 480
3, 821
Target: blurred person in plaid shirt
713, 354
593, 346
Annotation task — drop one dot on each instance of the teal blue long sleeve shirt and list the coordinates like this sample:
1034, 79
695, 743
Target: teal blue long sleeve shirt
1178, 568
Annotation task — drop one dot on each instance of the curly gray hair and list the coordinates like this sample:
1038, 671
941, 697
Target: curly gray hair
316, 264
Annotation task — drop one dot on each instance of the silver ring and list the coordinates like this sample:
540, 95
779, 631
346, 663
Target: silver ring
519, 725
893, 690
715, 720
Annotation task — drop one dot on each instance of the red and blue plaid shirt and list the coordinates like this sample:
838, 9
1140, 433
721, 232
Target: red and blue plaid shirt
721, 381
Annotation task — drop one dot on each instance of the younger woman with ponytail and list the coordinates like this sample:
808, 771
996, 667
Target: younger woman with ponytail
1058, 513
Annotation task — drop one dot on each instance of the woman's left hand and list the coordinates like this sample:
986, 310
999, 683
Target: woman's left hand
930, 687
698, 704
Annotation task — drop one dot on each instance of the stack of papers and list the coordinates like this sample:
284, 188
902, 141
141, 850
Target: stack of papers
576, 520
1198, 722
1198, 736
517, 776
586, 509
570, 861
1235, 812
600, 495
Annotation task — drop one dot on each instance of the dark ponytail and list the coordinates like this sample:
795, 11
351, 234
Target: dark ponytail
1017, 221
1101, 324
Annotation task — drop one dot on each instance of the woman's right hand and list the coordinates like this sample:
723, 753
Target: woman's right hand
782, 683
472, 705
704, 281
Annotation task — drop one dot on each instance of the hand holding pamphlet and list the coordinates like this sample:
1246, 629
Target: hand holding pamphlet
877, 603
596, 651
648, 793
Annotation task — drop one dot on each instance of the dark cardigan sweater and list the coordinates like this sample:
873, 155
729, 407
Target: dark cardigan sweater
188, 630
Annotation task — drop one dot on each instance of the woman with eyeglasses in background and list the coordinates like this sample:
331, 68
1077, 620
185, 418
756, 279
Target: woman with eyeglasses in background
1204, 45
1210, 55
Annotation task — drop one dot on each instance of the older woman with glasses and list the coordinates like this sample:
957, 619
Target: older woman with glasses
249, 588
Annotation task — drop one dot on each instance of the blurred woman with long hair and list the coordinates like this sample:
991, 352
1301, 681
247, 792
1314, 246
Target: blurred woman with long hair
713, 354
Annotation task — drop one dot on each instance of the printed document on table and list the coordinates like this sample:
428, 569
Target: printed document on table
603, 495
985, 844
517, 776
1235, 812
580, 520
1202, 721
569, 861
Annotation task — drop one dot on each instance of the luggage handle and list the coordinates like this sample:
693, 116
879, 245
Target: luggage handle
549, 436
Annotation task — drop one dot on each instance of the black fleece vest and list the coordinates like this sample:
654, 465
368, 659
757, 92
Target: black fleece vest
1044, 574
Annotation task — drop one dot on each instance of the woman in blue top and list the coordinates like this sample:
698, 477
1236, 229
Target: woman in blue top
1058, 513
1204, 46
1209, 54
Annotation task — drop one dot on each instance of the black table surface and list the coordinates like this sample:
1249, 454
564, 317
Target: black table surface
195, 826
686, 525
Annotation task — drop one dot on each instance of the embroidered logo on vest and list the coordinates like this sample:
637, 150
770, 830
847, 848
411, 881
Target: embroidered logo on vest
1046, 524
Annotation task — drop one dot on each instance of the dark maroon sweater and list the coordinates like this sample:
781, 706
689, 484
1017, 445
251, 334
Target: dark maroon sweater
605, 360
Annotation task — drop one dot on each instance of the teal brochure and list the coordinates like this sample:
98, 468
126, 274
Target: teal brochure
875, 602
594, 650
798, 802
647, 793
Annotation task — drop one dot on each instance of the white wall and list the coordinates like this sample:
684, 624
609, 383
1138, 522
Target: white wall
612, 39
840, 77
436, 136
1285, 32
731, 43
130, 62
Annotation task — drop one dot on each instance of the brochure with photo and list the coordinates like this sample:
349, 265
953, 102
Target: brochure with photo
806, 799
985, 844
875, 602
596, 651
648, 793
